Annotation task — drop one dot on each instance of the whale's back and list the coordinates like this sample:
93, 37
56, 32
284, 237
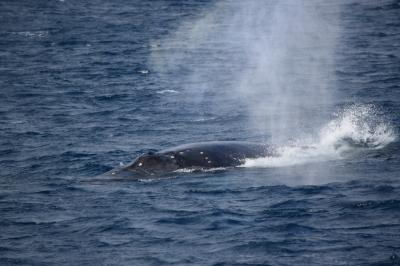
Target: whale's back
216, 153
202, 155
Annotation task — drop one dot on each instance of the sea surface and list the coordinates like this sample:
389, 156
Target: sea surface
86, 86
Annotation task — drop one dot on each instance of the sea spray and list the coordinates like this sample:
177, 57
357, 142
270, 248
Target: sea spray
357, 127
290, 87
272, 61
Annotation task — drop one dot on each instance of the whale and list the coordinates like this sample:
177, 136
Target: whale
193, 156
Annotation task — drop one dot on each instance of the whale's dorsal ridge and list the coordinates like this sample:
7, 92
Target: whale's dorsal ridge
201, 155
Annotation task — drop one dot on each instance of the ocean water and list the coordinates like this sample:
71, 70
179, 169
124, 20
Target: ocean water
86, 86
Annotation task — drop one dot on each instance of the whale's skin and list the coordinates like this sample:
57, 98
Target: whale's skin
202, 155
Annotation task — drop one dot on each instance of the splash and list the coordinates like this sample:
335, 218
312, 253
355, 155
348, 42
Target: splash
358, 127
194, 170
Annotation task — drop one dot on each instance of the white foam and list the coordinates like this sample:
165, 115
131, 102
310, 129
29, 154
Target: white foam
33, 34
356, 127
203, 119
167, 91
191, 170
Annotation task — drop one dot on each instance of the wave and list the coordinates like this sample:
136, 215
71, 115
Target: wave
357, 127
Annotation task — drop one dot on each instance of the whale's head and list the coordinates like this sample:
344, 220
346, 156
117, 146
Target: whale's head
154, 164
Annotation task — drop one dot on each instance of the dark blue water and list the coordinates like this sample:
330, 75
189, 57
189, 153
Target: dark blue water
82, 90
